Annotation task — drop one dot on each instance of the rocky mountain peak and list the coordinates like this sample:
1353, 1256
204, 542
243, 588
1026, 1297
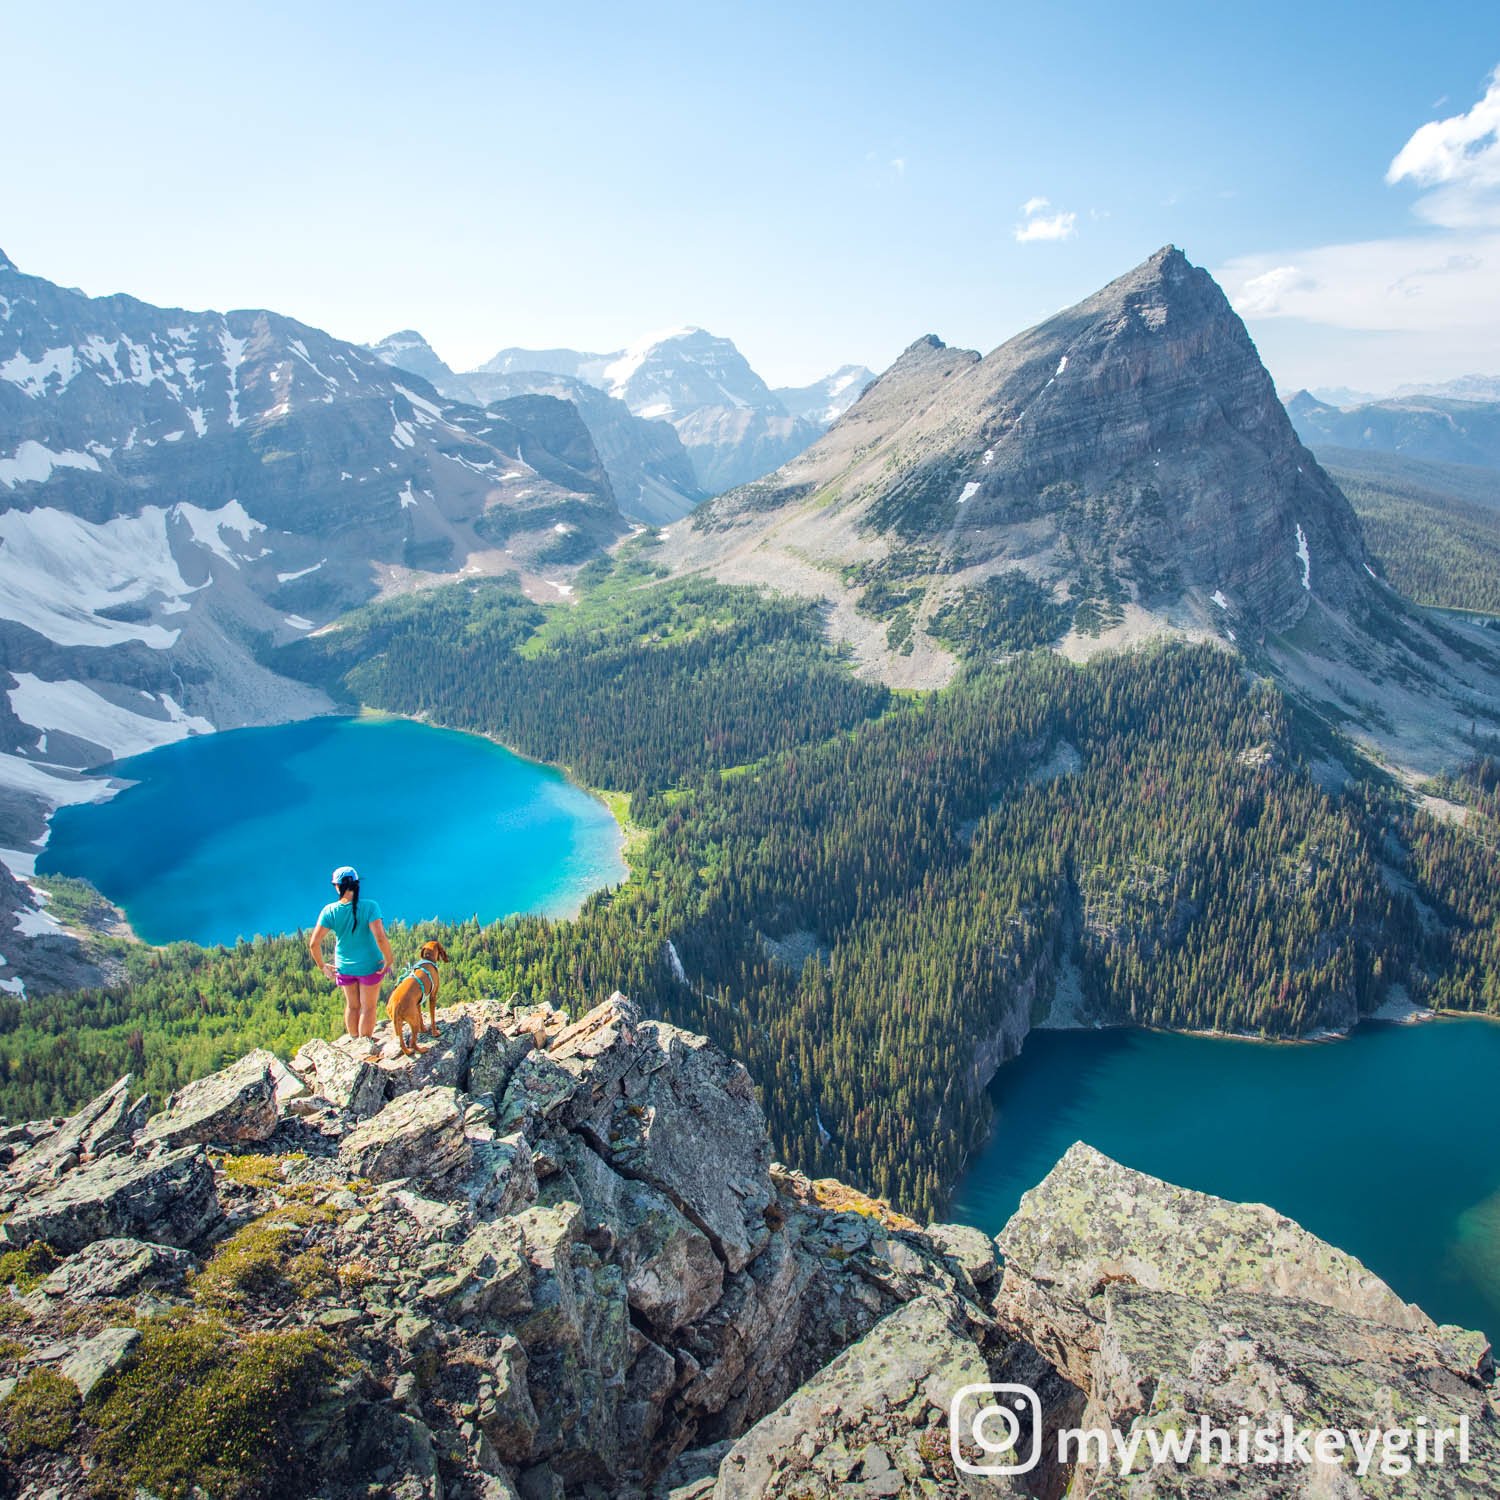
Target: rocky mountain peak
408, 350
6, 263
1128, 452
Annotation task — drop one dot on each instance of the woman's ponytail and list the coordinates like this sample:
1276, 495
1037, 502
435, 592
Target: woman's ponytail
351, 883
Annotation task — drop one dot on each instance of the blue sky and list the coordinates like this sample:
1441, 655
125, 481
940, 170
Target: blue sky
820, 183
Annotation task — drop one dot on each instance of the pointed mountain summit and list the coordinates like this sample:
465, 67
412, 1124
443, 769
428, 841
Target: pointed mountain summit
408, 350
1129, 454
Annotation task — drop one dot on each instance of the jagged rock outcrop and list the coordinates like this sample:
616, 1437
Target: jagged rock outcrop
571, 1270
168, 1198
1166, 1307
419, 1134
1093, 1224
236, 1104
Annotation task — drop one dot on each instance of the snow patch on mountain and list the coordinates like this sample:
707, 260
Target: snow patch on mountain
33, 375
79, 710
33, 463
209, 526
58, 572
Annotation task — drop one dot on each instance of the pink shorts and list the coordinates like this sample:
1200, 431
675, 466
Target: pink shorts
352, 979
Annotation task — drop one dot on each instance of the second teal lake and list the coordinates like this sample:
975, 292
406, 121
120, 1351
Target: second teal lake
1382, 1144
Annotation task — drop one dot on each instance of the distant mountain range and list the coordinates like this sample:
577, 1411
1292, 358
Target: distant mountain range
181, 491
730, 426
1442, 429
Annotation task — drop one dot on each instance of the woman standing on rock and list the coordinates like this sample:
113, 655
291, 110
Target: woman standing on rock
361, 953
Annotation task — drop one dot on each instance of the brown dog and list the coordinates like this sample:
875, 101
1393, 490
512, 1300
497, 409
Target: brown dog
420, 982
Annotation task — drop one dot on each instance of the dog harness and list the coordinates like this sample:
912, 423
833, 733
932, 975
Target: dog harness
424, 971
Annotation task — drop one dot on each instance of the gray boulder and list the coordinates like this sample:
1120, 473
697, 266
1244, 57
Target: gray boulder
287, 1084
420, 1134
1091, 1223
169, 1199
968, 1248
105, 1123
339, 1073
115, 1268
99, 1356
236, 1104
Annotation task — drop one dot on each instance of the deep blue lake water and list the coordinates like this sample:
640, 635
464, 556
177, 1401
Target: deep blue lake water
229, 835
1383, 1144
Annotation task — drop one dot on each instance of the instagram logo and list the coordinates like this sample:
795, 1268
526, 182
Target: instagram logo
1003, 1421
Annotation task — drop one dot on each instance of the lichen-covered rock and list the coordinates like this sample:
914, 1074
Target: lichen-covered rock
496, 1054
97, 1357
339, 1071
420, 1134
502, 1174
620, 1278
115, 1268
236, 1104
105, 1123
170, 1199
872, 1423
1092, 1222
442, 1062
1167, 1361
970, 1249
671, 1272
578, 1074
287, 1084
685, 1119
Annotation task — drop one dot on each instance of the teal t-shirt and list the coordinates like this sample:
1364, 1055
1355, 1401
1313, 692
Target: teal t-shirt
356, 951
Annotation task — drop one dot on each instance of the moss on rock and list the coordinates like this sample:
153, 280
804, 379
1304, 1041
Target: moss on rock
267, 1258
39, 1415
203, 1407
23, 1269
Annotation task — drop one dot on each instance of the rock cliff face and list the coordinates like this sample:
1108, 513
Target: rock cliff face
1120, 472
553, 1259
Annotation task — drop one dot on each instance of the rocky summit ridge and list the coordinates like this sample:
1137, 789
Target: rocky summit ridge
550, 1258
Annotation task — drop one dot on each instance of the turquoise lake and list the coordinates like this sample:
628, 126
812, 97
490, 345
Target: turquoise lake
1383, 1144
229, 835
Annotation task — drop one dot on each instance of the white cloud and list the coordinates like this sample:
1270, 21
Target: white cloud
1038, 224
1424, 305
1424, 281
1458, 161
